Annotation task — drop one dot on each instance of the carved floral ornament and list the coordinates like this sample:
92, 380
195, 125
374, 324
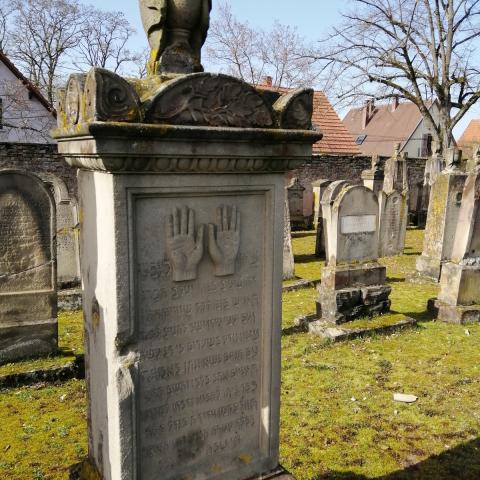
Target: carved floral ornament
199, 99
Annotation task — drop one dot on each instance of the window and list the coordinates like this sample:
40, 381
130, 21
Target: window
360, 139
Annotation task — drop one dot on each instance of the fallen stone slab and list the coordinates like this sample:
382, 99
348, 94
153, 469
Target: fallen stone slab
338, 334
71, 370
300, 285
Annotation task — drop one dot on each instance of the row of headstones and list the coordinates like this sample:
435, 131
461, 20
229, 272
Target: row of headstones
451, 251
357, 226
391, 189
38, 250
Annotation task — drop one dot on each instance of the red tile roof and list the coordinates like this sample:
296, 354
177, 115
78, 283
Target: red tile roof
28, 84
386, 128
336, 138
471, 135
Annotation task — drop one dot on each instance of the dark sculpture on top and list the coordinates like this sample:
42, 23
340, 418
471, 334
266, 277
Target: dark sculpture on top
176, 30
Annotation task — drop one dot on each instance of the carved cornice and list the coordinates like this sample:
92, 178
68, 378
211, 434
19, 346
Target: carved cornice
185, 165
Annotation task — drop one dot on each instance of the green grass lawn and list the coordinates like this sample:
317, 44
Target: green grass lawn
338, 419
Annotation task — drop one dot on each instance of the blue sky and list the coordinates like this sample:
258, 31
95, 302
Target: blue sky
312, 17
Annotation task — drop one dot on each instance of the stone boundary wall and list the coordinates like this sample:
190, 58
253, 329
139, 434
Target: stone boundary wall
350, 168
38, 159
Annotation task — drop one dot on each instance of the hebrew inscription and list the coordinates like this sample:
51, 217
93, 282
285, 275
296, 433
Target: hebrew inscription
200, 342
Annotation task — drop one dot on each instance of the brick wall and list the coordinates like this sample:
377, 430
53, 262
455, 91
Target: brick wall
38, 158
350, 168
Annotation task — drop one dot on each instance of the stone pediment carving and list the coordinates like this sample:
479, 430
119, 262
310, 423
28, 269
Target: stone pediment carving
205, 99
194, 100
295, 109
109, 97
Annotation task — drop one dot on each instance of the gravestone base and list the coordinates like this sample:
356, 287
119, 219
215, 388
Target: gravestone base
86, 471
350, 292
459, 284
429, 268
32, 327
461, 315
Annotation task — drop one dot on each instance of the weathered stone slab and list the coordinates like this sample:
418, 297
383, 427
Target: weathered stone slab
393, 223
443, 211
28, 323
295, 194
459, 297
288, 258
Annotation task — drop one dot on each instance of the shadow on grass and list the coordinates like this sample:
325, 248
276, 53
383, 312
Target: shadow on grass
395, 280
418, 316
306, 259
303, 234
286, 332
459, 463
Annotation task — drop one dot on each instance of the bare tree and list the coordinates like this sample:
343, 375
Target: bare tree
419, 50
104, 41
238, 49
43, 32
6, 10
140, 63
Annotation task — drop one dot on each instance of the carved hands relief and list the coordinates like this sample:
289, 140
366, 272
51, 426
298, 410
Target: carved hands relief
185, 249
185, 242
224, 245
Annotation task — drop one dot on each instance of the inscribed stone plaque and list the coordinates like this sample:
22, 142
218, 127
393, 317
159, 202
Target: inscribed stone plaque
28, 324
359, 224
203, 379
354, 226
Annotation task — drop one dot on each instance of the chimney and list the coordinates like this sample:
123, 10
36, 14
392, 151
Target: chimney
395, 103
268, 81
368, 113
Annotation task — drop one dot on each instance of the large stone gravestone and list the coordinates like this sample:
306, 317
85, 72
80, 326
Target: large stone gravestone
393, 205
459, 297
443, 210
353, 283
182, 195
28, 298
393, 223
328, 199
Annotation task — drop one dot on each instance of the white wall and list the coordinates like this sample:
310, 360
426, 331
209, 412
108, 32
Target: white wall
414, 146
24, 119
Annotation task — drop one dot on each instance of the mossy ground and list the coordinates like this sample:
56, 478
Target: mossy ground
338, 419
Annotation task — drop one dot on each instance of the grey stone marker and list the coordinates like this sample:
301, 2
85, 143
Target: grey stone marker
288, 258
393, 206
28, 296
295, 192
182, 193
328, 199
374, 177
459, 297
444, 208
353, 282
319, 187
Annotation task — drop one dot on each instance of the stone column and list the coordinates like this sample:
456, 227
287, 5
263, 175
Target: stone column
182, 240
443, 210
459, 297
